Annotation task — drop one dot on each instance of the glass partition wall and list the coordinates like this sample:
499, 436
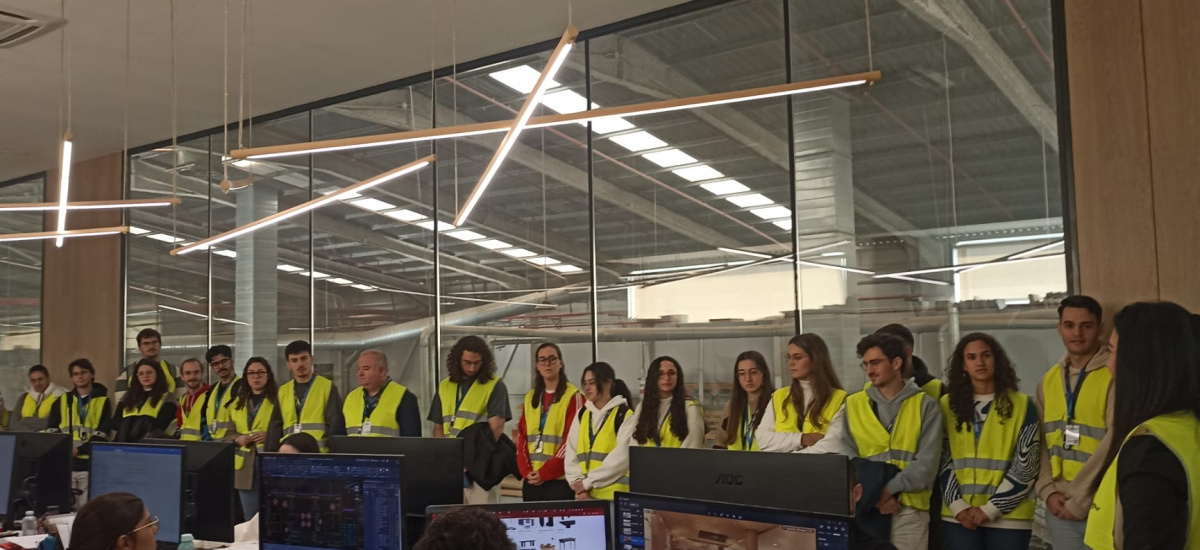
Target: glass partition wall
931, 198
20, 290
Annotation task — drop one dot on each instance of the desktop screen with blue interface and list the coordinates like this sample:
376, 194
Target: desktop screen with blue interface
154, 474
8, 453
660, 522
329, 502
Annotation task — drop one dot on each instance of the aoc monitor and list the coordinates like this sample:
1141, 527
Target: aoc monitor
153, 473
330, 502
209, 503
434, 473
569, 524
805, 483
650, 521
41, 476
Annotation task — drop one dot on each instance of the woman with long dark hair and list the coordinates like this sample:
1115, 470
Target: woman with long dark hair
597, 454
257, 427
752, 389
801, 414
114, 521
667, 417
550, 410
147, 409
993, 450
1152, 470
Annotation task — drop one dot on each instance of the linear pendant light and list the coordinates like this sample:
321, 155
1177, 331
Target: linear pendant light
44, 235
89, 205
308, 206
535, 97
466, 130
64, 184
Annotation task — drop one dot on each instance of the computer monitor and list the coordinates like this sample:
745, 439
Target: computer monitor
651, 521
209, 502
570, 524
329, 502
8, 455
153, 473
814, 483
435, 466
41, 474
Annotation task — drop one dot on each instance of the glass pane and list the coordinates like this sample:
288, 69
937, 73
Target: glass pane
20, 292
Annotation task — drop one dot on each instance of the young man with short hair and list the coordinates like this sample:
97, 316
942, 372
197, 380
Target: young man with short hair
86, 414
1075, 400
215, 422
35, 404
914, 367
189, 417
149, 345
309, 403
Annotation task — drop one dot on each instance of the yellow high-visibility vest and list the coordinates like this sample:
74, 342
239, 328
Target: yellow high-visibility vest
898, 447
191, 429
82, 430
591, 453
216, 413
382, 419
1179, 432
242, 425
457, 417
667, 437
1090, 407
311, 420
980, 466
786, 414
542, 442
151, 410
31, 408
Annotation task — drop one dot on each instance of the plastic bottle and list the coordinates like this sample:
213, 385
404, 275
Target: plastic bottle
28, 524
186, 542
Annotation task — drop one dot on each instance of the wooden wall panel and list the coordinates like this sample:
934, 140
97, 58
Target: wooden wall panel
81, 282
1110, 130
1172, 58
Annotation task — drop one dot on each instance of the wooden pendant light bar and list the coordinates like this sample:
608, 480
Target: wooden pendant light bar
45, 235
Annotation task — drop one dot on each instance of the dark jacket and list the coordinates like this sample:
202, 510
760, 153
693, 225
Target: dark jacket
874, 477
55, 422
133, 429
488, 461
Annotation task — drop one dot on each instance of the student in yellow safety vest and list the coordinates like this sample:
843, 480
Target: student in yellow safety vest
472, 394
257, 427
150, 346
215, 421
189, 417
380, 407
991, 463
550, 409
667, 417
802, 413
597, 458
147, 409
1075, 399
311, 403
86, 414
34, 405
1149, 492
752, 389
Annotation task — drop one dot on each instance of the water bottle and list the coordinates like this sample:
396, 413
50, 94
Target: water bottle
28, 524
186, 542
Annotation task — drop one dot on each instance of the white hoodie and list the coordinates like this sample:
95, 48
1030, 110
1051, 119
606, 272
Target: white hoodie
615, 465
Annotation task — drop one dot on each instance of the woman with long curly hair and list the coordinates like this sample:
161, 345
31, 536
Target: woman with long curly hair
666, 417
752, 389
992, 457
801, 414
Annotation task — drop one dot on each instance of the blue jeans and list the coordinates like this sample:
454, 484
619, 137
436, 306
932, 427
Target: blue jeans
1065, 534
957, 537
250, 499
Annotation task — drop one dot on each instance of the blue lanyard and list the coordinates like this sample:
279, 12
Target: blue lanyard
747, 432
83, 409
592, 428
545, 414
254, 410
1073, 393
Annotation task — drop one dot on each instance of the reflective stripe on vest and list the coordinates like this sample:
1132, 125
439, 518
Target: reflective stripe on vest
81, 431
31, 409
151, 410
897, 448
1089, 416
980, 467
1179, 432
218, 413
785, 413
551, 436
666, 436
472, 410
383, 418
312, 418
591, 457
191, 429
240, 418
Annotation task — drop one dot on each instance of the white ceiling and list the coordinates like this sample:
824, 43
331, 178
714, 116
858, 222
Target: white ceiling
298, 50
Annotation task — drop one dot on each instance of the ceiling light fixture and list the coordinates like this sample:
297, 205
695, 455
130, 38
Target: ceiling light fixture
374, 205
698, 173
745, 252
772, 212
920, 280
724, 187
492, 244
64, 185
466, 235
552, 65
566, 268
669, 158
638, 141
606, 116
751, 200
1016, 239
518, 253
14, 237
88, 205
522, 78
308, 206
836, 267
287, 268
404, 215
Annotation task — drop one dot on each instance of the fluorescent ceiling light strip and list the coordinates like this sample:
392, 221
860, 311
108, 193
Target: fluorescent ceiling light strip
15, 237
744, 252
595, 115
557, 58
1033, 251
308, 206
686, 268
202, 316
1015, 239
836, 267
64, 185
919, 280
88, 205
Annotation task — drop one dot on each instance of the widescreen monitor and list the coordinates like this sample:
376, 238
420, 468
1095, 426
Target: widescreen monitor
557, 525
41, 477
434, 466
153, 473
646, 522
330, 502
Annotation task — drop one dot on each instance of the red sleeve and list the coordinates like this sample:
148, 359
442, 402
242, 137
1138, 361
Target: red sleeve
179, 415
553, 468
523, 450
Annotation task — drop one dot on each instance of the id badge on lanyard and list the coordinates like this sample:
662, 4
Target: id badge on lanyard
296, 428
1071, 432
366, 427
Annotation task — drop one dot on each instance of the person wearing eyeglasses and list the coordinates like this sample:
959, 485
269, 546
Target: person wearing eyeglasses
215, 421
84, 413
147, 409
114, 521
667, 417
257, 427
752, 389
150, 346
802, 414
550, 410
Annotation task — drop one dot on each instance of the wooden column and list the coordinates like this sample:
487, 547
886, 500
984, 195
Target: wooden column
82, 284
